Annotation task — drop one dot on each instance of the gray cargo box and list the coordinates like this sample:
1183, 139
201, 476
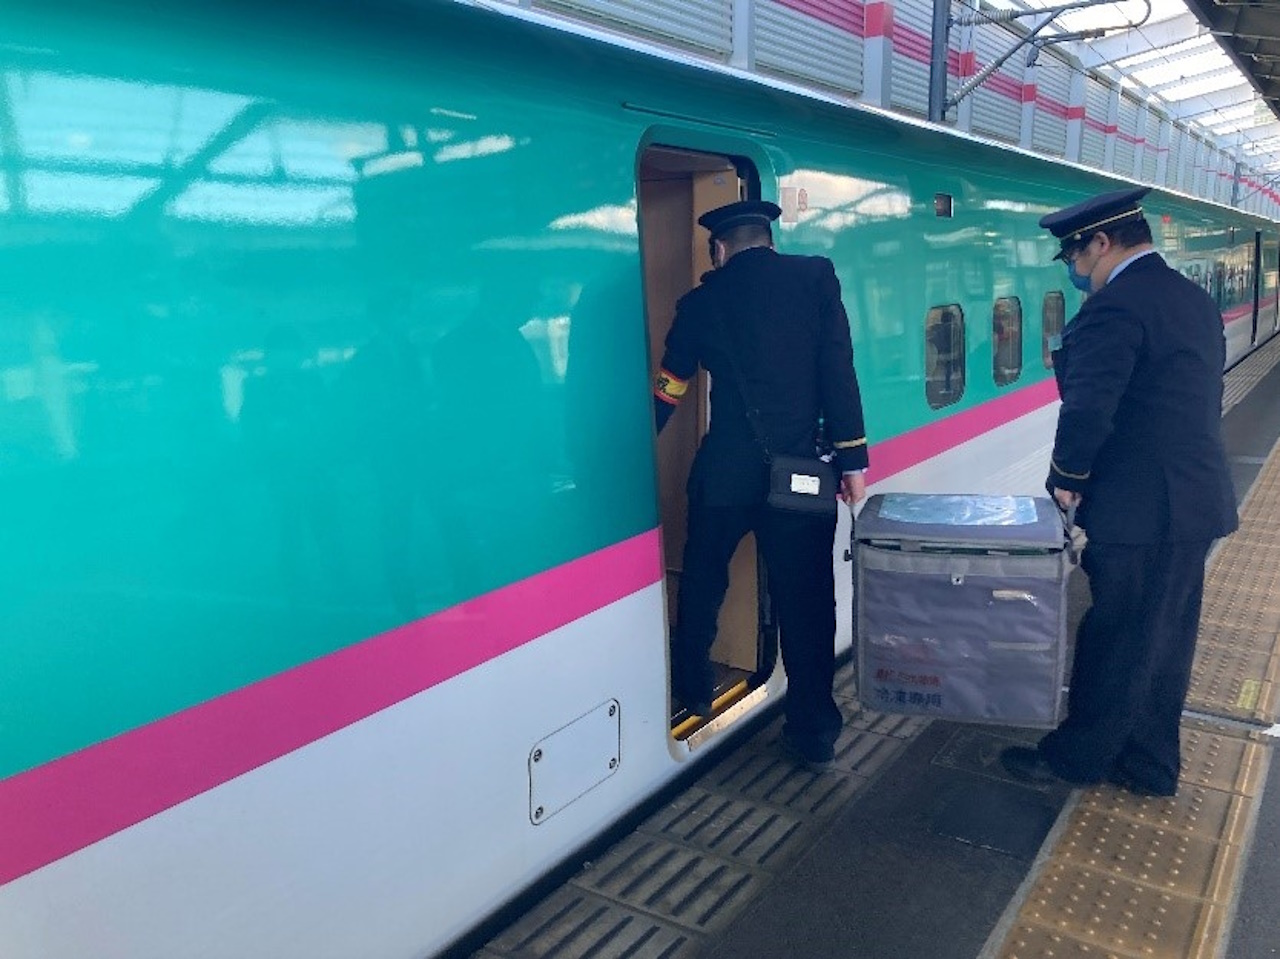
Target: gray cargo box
961, 607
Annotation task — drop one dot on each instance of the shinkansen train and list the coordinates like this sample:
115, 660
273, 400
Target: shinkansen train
337, 551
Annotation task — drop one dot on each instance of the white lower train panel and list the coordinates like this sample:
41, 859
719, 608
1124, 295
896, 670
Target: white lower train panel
1012, 459
386, 839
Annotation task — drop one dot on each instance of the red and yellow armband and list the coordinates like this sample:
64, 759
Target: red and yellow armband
668, 387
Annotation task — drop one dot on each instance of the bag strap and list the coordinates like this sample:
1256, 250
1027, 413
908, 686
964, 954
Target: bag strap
753, 414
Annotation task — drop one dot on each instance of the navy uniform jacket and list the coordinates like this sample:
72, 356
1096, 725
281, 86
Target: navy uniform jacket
790, 337
1140, 428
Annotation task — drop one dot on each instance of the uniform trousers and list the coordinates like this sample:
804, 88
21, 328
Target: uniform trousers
1132, 665
797, 551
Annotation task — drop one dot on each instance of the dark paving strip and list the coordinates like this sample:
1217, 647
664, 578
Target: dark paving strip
922, 865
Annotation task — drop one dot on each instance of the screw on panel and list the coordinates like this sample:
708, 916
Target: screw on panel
613, 763
613, 709
537, 755
537, 813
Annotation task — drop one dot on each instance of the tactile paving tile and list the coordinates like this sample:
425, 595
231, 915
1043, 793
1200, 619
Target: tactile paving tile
572, 924
1233, 680
846, 679
1178, 863
1148, 877
1195, 811
884, 724
1026, 941
865, 753
768, 777
1113, 916
1220, 761
673, 882
733, 828
1246, 375
1222, 727
1226, 609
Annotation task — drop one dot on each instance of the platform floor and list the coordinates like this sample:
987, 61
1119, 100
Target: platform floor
918, 846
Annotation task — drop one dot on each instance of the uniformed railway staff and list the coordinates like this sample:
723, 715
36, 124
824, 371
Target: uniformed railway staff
1139, 449
779, 320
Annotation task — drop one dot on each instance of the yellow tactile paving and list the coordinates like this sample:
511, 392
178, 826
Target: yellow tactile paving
1148, 878
1174, 862
1195, 811
1232, 679
1219, 758
1104, 915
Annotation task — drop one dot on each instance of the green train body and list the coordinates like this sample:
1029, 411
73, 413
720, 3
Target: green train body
327, 470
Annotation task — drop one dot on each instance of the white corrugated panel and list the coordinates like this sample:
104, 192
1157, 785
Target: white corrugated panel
1053, 96
1127, 130
1211, 169
1151, 149
1199, 162
997, 103
1093, 144
1173, 171
912, 38
826, 51
705, 24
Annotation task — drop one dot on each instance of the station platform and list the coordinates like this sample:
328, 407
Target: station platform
917, 845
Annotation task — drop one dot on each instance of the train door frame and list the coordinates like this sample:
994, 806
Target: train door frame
679, 177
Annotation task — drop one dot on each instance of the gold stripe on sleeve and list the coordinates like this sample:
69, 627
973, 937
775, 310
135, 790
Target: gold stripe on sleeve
1061, 472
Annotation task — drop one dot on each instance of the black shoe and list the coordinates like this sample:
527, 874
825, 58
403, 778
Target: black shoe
1026, 763
815, 760
1126, 782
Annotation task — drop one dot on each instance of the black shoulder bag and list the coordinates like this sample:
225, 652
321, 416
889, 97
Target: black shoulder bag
797, 484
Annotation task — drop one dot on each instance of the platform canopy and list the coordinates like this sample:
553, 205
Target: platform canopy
1211, 65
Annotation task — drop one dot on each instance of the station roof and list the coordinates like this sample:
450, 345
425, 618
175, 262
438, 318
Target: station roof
1209, 64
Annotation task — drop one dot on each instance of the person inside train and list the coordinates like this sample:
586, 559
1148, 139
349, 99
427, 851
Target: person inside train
762, 323
1139, 453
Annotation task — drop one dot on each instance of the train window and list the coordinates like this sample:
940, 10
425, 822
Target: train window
1006, 340
944, 355
1053, 319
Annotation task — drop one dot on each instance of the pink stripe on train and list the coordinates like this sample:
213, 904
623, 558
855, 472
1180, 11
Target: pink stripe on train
60, 807
903, 452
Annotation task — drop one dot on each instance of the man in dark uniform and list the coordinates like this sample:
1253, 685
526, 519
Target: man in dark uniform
778, 321
1139, 451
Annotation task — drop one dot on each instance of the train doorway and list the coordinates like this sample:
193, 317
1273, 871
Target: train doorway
675, 187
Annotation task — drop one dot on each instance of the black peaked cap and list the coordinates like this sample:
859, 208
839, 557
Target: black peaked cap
1075, 223
724, 218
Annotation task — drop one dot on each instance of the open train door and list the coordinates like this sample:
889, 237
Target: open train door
675, 187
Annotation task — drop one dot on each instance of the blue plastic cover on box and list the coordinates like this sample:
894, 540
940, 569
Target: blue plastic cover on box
961, 607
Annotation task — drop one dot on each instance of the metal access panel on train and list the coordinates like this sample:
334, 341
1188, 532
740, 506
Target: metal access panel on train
961, 607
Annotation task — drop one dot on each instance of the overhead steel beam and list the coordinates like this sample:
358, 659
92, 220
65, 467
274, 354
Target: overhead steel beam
1209, 102
1231, 71
1129, 43
1167, 55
